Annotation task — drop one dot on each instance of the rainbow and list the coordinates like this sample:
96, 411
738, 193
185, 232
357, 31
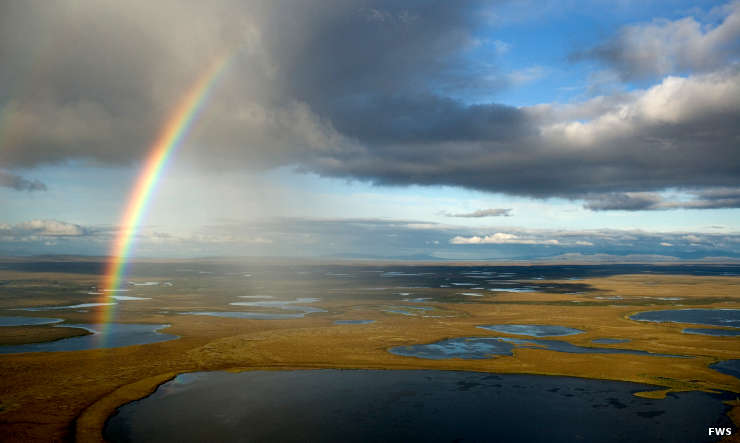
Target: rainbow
169, 138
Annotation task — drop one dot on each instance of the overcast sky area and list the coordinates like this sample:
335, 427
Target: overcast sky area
583, 130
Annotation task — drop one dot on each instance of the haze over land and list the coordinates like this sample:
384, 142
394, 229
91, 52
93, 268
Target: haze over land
584, 130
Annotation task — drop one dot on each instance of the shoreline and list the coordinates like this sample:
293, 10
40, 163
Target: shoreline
90, 423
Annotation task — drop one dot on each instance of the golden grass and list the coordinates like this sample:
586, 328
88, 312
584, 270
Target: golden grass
68, 395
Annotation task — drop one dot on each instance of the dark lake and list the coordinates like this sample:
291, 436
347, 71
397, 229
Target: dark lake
729, 367
116, 335
716, 332
28, 321
389, 406
712, 317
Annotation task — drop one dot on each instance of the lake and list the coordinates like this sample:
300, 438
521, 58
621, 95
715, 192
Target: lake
113, 335
28, 321
711, 317
532, 330
377, 405
475, 348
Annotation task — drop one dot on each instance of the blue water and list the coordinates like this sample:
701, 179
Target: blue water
297, 311
729, 367
532, 330
408, 310
28, 321
56, 308
470, 348
117, 335
254, 315
291, 305
564, 346
712, 317
710, 331
404, 406
488, 347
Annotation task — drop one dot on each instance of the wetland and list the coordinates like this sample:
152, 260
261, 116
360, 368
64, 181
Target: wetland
254, 319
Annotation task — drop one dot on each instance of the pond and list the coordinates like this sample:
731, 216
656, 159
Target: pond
112, 335
532, 330
411, 311
489, 347
370, 405
729, 367
256, 315
711, 317
77, 306
296, 311
28, 321
710, 331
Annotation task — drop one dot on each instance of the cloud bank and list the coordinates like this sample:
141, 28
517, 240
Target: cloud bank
719, 198
480, 213
366, 90
371, 238
34, 229
500, 238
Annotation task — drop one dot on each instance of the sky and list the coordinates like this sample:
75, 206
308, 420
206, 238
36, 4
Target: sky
396, 129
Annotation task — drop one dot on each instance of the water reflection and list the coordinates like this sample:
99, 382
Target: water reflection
488, 347
28, 321
532, 330
729, 367
111, 335
713, 317
715, 332
354, 405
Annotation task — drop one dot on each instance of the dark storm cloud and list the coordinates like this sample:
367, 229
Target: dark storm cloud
9, 180
76, 81
720, 198
716, 198
387, 120
623, 202
358, 89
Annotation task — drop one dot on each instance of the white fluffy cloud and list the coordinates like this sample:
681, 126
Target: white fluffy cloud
500, 238
46, 228
662, 47
675, 101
